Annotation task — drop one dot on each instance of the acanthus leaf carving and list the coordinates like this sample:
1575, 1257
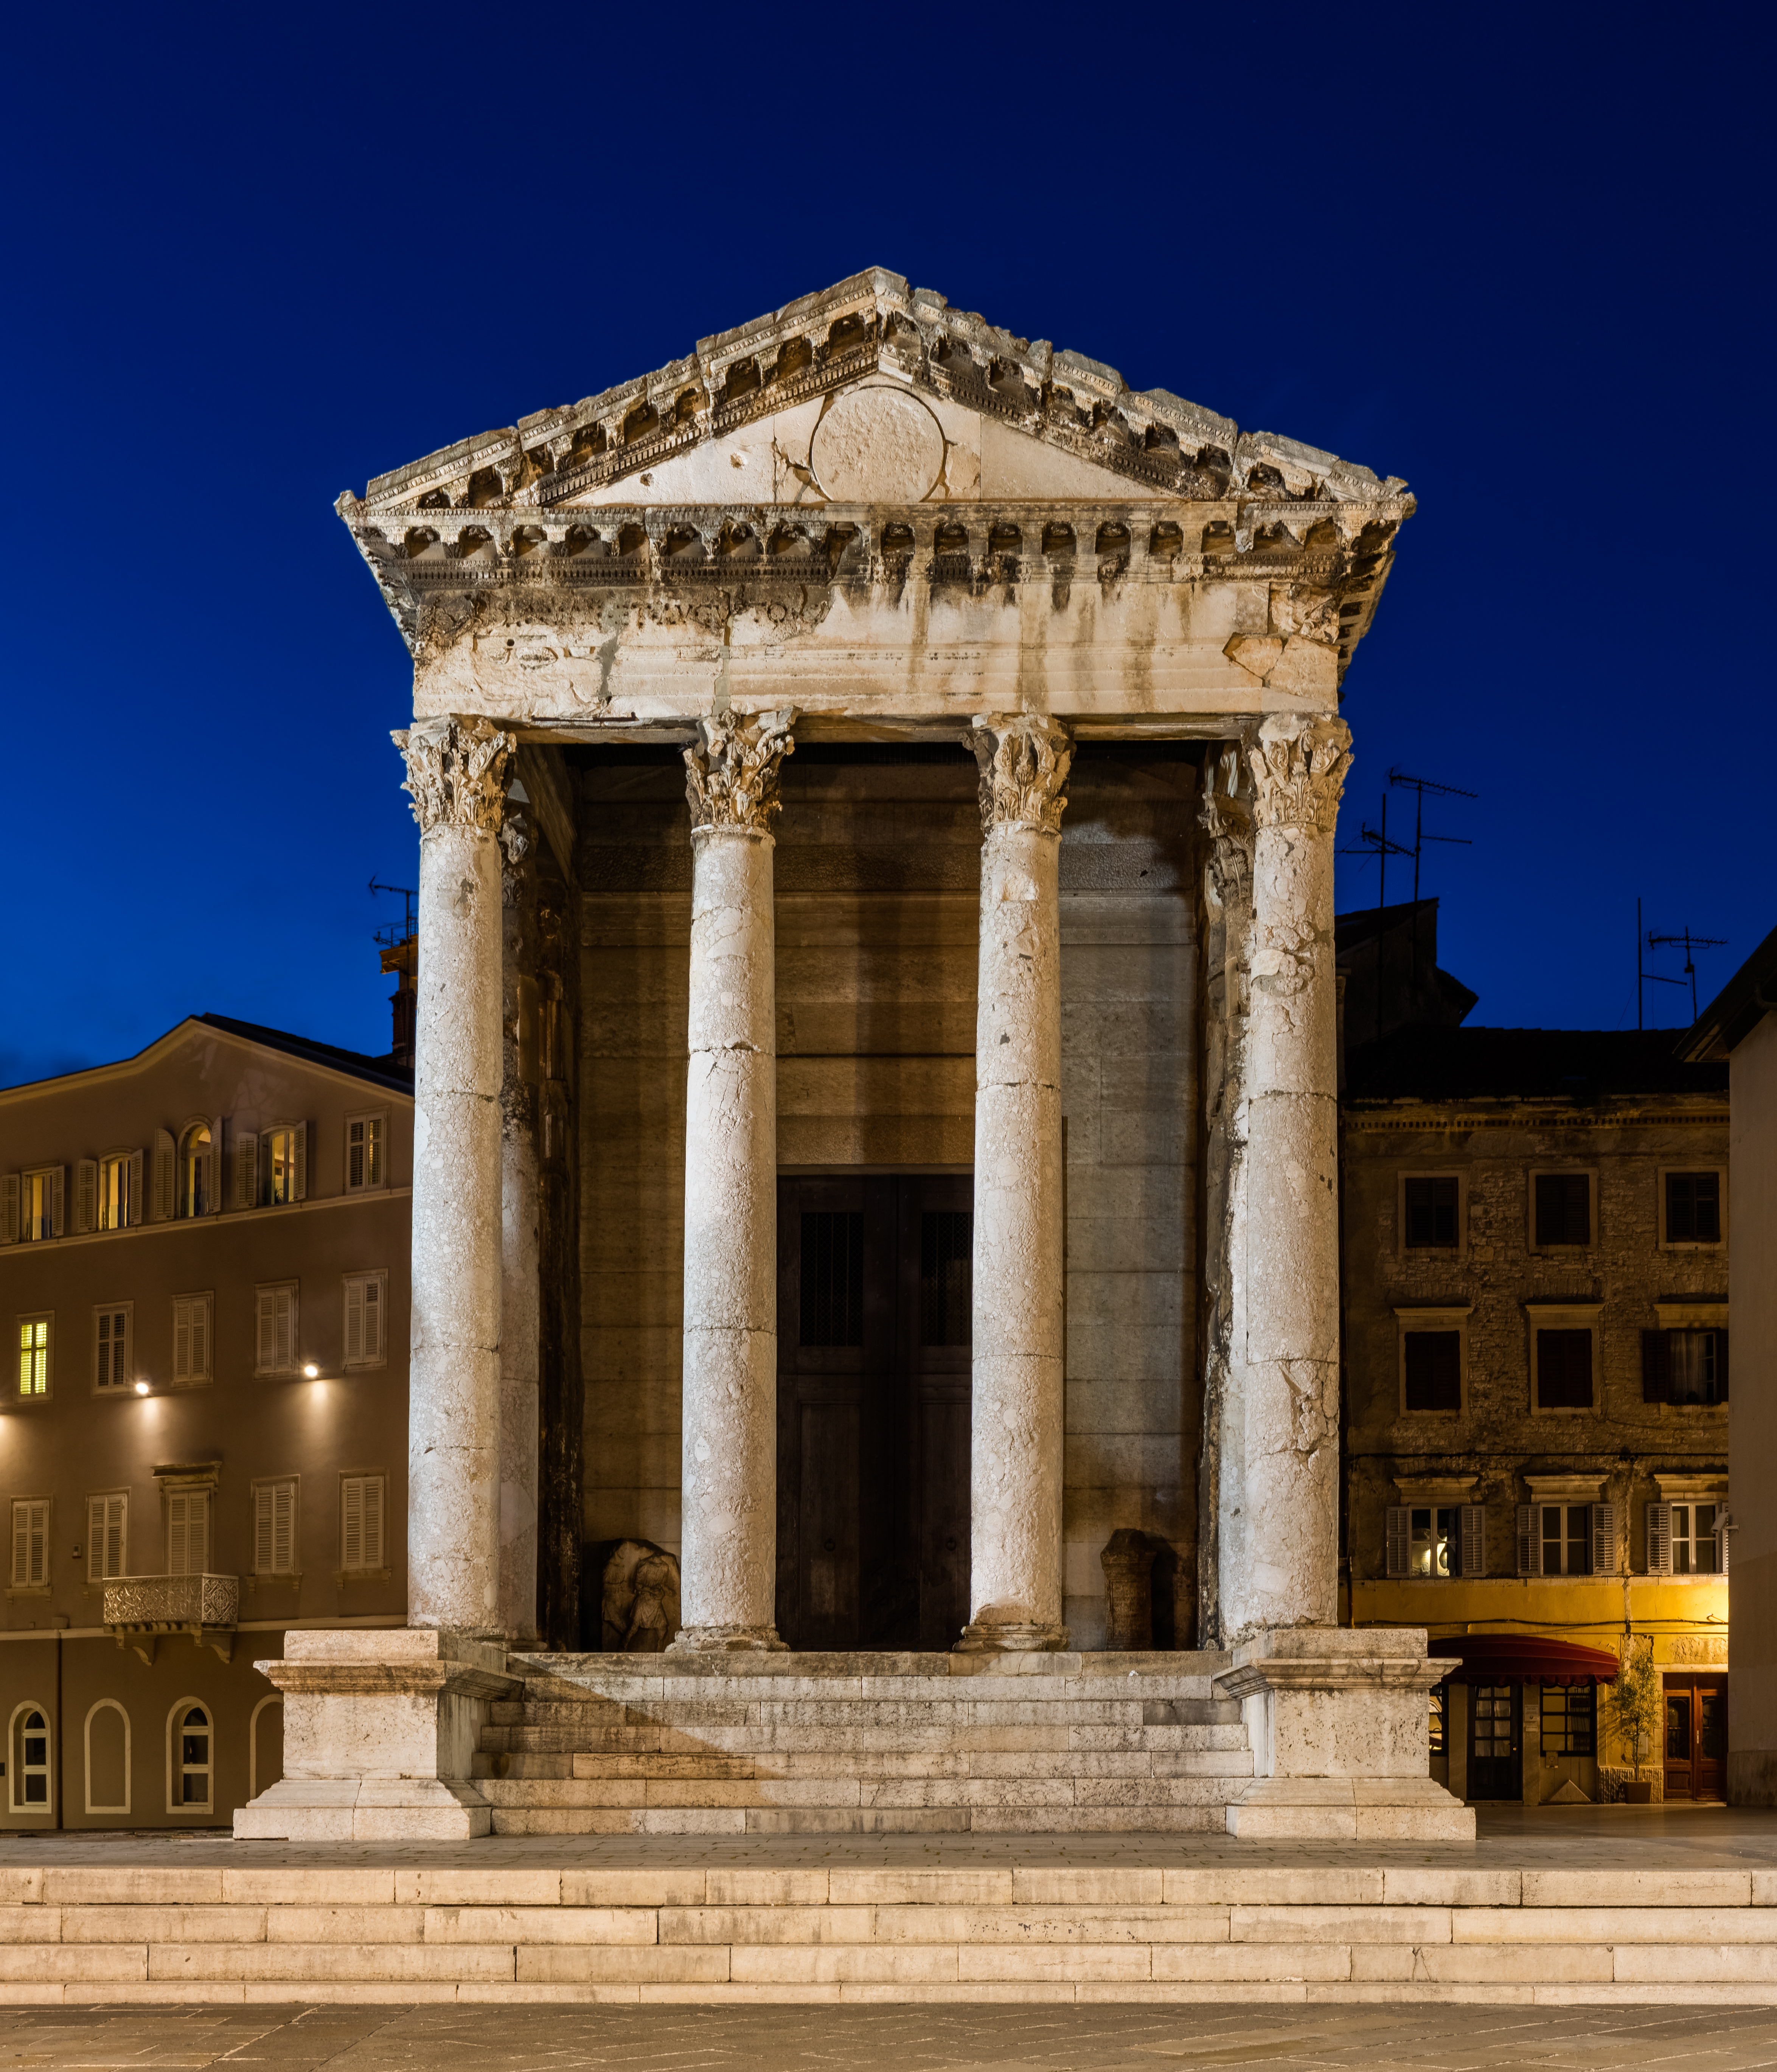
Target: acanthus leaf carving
1298, 769
457, 772
731, 771
1023, 759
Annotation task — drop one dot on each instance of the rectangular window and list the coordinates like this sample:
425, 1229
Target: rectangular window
1565, 1530
274, 1527
107, 1536
1569, 1720
361, 1502
275, 1329
1694, 1546
1430, 1204
35, 1335
31, 1543
1693, 1208
1564, 1369
111, 1363
287, 1163
191, 1338
1433, 1370
1433, 1542
40, 1204
187, 1532
363, 1152
1693, 1366
367, 1305
1564, 1208
119, 1190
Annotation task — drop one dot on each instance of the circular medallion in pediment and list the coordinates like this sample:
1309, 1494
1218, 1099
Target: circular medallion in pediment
877, 446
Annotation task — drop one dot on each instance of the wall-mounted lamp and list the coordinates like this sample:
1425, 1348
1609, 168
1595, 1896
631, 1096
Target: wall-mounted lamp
141, 1387
311, 1373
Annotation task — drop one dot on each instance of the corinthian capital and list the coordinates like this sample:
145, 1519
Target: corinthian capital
1228, 825
457, 771
1025, 761
731, 772
1299, 770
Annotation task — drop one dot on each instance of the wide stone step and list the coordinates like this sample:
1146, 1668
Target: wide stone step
862, 1820
1004, 1792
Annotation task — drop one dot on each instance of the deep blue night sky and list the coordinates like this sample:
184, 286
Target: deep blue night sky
1520, 256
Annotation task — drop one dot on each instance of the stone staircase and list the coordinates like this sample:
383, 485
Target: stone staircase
863, 1744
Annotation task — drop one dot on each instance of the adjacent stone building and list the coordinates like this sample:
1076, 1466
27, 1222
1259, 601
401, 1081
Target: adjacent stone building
203, 1275
1536, 1233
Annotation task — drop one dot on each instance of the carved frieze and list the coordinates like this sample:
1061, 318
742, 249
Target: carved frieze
731, 771
1298, 769
457, 773
1023, 760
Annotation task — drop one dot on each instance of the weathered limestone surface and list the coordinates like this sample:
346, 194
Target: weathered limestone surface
520, 1207
457, 774
1018, 1405
728, 1566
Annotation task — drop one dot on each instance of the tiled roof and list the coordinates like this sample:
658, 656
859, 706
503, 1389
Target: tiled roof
383, 1070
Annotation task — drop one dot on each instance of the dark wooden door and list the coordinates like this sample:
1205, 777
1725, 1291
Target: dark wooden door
873, 1311
1495, 1740
1696, 1736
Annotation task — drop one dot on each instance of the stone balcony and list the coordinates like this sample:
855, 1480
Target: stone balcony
139, 1608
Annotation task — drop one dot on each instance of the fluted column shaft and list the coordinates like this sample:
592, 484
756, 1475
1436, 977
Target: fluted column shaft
520, 1217
457, 774
728, 1557
1287, 1571
1017, 1400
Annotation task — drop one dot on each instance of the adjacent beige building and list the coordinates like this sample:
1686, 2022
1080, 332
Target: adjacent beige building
203, 1278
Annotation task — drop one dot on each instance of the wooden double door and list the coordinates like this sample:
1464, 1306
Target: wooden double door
874, 1297
1696, 1736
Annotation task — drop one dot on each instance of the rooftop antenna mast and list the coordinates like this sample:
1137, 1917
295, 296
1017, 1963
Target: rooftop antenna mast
1688, 942
1422, 785
1374, 842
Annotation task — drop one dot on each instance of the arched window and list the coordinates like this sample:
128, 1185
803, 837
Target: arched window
30, 1772
197, 1171
108, 1759
191, 1757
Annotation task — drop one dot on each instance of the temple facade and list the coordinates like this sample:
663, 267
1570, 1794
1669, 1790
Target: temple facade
875, 1130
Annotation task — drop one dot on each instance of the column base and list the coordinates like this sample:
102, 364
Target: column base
1336, 1718
1024, 1638
371, 1809
727, 1640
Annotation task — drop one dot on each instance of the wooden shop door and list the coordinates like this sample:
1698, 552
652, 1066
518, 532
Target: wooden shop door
1495, 1740
873, 1328
1696, 1736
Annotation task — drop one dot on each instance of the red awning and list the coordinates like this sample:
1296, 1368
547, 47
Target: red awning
1485, 1656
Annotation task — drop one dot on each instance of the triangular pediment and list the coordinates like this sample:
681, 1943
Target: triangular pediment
871, 392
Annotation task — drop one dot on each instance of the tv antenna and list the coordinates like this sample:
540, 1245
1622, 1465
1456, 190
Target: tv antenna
1685, 940
390, 939
1422, 785
1374, 842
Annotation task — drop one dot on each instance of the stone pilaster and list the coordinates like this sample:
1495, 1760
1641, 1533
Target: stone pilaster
456, 775
728, 1556
1282, 1571
1017, 1412
520, 1210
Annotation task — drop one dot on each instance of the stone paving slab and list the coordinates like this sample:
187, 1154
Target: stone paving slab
1663, 1840
1113, 2037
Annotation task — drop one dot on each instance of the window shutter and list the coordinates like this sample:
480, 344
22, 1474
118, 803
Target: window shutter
37, 1544
56, 1174
1399, 1539
9, 1231
181, 1338
1474, 1539
200, 1336
21, 1545
1529, 1540
1656, 1363
1724, 1536
373, 1521
86, 1195
265, 1328
1720, 1366
264, 1528
215, 1168
1604, 1547
116, 1516
351, 1522
1660, 1539
160, 1208
176, 1539
95, 1537
197, 1527
373, 1318
135, 1187
355, 1320
246, 1164
284, 1527
301, 1133
285, 1302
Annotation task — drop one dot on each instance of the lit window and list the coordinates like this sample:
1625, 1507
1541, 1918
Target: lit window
40, 1204
119, 1190
1695, 1546
286, 1164
111, 1347
1567, 1533
197, 1167
33, 1341
191, 1766
367, 1302
1432, 1540
363, 1152
31, 1543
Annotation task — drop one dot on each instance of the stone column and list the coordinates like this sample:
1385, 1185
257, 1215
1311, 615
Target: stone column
727, 1551
520, 1210
1017, 1408
457, 774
